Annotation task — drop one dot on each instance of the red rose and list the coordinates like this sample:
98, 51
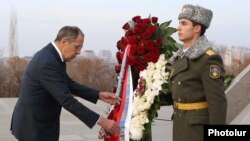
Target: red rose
141, 49
118, 68
119, 45
154, 19
151, 30
129, 33
124, 43
138, 28
119, 56
159, 41
126, 26
136, 18
146, 21
132, 39
131, 54
144, 43
153, 55
145, 35
140, 64
131, 60
149, 44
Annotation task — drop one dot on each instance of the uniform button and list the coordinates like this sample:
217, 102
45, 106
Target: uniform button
179, 83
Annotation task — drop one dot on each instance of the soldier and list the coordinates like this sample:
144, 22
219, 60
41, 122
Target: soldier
197, 82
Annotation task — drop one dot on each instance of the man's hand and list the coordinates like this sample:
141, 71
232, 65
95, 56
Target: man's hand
109, 98
109, 126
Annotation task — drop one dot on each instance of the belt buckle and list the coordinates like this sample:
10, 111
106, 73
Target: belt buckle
175, 105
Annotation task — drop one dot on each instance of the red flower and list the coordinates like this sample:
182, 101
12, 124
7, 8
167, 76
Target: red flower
124, 42
141, 49
118, 68
154, 19
129, 33
146, 21
119, 45
159, 41
144, 42
131, 55
119, 56
152, 29
126, 26
140, 64
136, 18
153, 55
139, 27
145, 35
132, 39
149, 44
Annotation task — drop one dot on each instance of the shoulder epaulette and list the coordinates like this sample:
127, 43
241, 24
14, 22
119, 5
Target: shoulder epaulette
210, 52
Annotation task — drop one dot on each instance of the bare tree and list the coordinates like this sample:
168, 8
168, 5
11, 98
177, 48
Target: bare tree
1, 68
13, 75
17, 67
222, 49
13, 47
95, 73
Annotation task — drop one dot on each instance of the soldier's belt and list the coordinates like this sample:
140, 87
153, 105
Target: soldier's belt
191, 106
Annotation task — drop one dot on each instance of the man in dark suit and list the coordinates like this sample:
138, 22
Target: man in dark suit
46, 88
197, 77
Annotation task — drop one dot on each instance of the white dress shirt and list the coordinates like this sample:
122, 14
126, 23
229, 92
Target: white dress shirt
58, 51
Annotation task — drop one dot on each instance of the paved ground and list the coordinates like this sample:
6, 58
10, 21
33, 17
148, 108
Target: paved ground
243, 117
72, 129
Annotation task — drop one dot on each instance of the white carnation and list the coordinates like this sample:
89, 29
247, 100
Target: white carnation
154, 76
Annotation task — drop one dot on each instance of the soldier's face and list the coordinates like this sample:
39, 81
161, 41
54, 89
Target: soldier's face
186, 30
72, 48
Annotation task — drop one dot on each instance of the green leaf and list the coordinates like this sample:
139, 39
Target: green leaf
165, 24
169, 31
227, 81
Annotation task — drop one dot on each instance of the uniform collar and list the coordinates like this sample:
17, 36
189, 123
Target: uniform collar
200, 46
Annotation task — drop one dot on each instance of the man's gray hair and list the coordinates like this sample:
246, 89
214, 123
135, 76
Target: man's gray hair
69, 32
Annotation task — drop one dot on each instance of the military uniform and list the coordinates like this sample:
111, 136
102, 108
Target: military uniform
197, 87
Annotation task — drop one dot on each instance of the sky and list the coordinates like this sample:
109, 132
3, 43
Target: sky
102, 20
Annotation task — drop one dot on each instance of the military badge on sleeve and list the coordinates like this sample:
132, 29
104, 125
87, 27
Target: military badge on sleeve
214, 71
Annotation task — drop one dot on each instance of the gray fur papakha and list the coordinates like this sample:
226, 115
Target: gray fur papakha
197, 14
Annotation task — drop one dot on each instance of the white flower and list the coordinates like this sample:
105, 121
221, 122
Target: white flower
157, 76
154, 76
151, 66
150, 98
136, 133
146, 105
143, 73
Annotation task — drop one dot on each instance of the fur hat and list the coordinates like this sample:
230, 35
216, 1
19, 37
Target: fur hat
197, 14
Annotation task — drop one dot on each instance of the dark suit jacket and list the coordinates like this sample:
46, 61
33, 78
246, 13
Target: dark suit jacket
46, 88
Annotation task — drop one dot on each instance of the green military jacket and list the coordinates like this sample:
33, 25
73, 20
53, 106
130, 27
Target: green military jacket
197, 76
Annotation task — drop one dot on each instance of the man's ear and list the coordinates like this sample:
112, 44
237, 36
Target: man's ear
63, 40
197, 28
